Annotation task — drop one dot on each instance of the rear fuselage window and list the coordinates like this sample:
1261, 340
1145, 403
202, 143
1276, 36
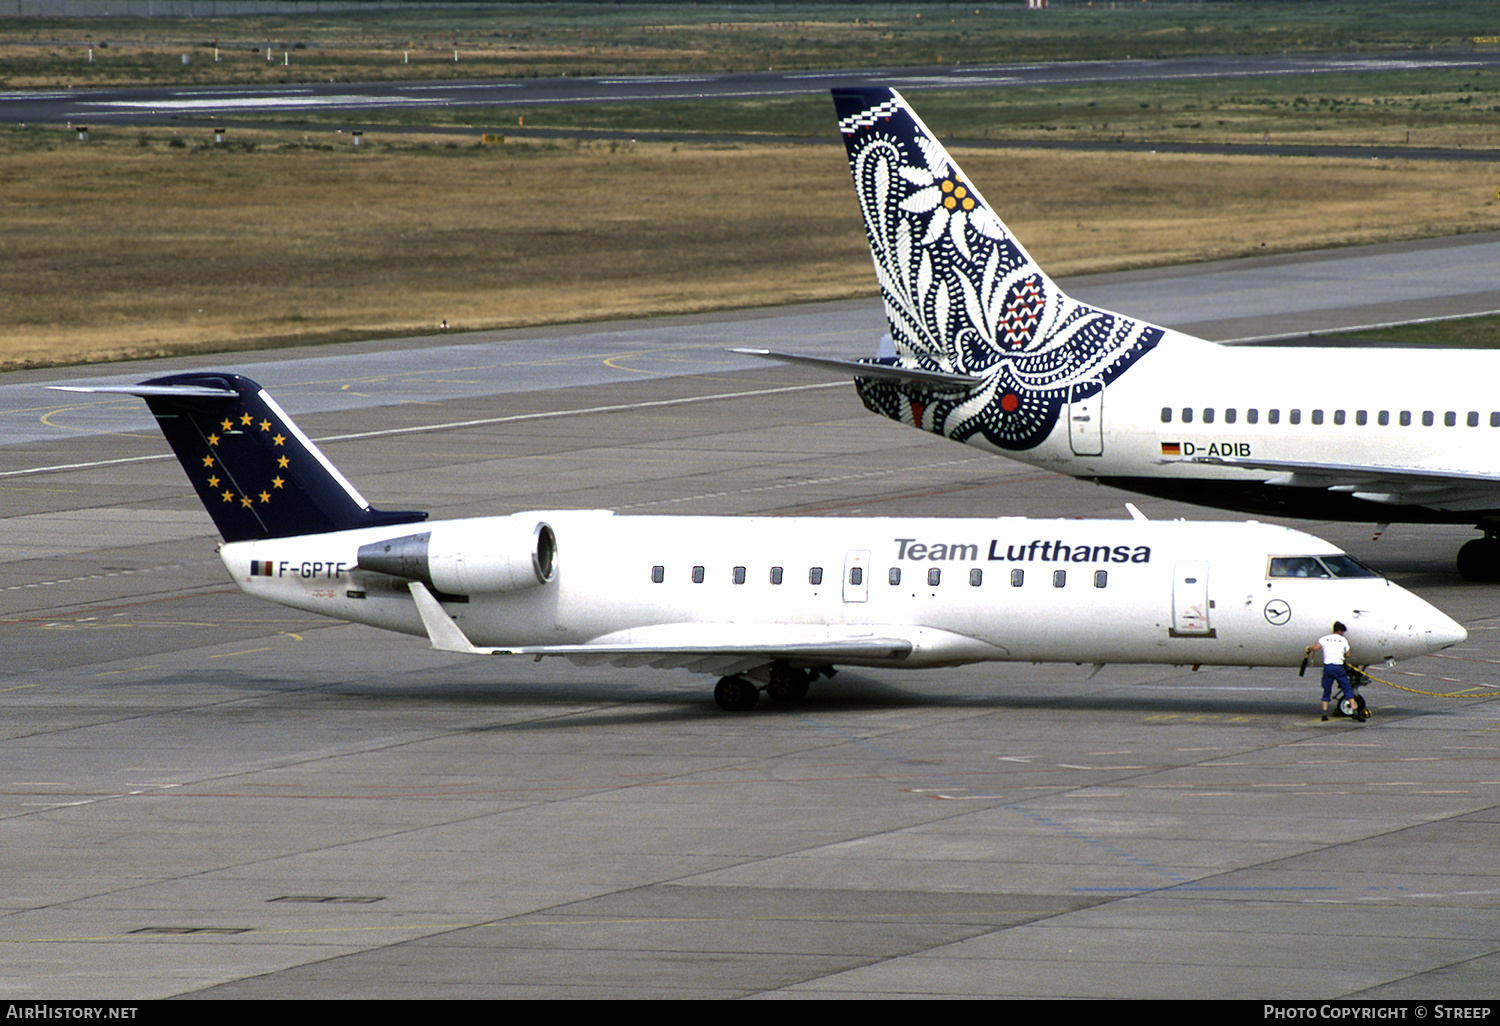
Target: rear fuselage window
934, 577
697, 575
1101, 578
1059, 578
775, 575
658, 574
894, 576
815, 575
739, 575
1017, 578
976, 577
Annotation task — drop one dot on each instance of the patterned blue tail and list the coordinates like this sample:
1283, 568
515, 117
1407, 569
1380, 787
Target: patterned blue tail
963, 296
256, 472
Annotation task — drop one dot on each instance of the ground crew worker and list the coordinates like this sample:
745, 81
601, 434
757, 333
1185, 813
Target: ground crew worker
1335, 649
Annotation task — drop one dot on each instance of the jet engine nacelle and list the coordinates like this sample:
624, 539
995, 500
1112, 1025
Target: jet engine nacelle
469, 557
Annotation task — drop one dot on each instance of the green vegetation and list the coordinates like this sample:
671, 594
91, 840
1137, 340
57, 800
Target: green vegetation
151, 241
1460, 332
1444, 107
521, 39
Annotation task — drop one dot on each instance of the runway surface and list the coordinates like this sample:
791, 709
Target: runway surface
204, 796
159, 105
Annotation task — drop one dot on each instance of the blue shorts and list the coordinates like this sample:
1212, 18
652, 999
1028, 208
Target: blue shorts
1335, 672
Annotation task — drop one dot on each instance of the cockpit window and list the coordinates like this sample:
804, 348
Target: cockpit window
1297, 566
1319, 566
1347, 566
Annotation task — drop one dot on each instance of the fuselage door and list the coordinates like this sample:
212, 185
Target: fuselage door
1190, 600
1086, 418
857, 575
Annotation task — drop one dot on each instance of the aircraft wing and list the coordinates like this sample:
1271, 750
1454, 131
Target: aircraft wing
725, 649
861, 369
1393, 485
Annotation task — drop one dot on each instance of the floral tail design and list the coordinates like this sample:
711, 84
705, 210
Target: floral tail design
963, 296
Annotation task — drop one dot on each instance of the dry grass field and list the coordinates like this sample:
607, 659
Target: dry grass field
141, 243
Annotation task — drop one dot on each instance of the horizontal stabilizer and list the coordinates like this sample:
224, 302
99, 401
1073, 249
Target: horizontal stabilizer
880, 371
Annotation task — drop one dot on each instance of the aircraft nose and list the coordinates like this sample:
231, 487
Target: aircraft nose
1443, 631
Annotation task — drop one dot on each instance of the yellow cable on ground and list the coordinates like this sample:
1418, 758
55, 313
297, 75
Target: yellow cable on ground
1432, 694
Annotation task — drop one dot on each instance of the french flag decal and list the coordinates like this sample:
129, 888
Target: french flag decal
261, 568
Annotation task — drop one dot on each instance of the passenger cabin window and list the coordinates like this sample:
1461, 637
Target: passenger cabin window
1294, 416
1059, 578
1384, 419
1273, 416
934, 577
1427, 418
856, 575
1101, 578
1208, 415
1361, 418
815, 575
1495, 420
1473, 420
1229, 416
976, 577
775, 575
697, 575
1187, 414
1450, 419
739, 575
658, 574
1252, 416
1406, 418
1017, 578
1338, 416
1317, 416
894, 576
1166, 414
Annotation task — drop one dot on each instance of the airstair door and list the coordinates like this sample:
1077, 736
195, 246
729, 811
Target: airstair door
1190, 605
1086, 418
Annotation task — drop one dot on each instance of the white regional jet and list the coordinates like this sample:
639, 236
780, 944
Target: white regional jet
989, 351
766, 603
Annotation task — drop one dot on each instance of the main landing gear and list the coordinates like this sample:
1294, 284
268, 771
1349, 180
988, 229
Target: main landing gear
1479, 560
785, 686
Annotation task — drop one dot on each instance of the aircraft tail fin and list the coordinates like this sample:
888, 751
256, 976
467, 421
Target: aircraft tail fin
256, 472
963, 296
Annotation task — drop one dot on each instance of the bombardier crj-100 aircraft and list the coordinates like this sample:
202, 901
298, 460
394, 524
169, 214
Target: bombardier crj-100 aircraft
989, 351
766, 603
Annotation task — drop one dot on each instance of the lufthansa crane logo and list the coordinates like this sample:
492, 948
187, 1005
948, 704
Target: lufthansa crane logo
1277, 612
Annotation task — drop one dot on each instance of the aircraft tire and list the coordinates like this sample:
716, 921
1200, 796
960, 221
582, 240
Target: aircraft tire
787, 686
736, 694
1352, 706
1479, 560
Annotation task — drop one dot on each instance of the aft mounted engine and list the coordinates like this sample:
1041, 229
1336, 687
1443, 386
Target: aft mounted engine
470, 557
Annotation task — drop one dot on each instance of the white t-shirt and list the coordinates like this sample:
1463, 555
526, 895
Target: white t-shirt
1335, 648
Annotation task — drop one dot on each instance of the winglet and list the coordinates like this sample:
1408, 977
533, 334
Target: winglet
445, 635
